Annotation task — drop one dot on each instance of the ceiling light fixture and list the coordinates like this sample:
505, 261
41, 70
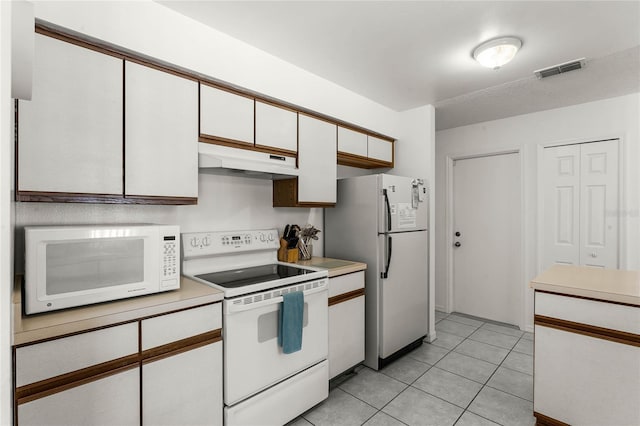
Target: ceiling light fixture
497, 52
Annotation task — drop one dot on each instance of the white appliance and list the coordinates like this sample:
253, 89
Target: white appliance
262, 385
381, 220
67, 266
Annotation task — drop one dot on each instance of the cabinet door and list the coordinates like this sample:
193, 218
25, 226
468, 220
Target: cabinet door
346, 335
70, 133
317, 157
184, 389
161, 133
352, 142
225, 115
112, 400
380, 149
276, 127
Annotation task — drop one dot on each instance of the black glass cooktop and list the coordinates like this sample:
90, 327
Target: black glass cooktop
256, 274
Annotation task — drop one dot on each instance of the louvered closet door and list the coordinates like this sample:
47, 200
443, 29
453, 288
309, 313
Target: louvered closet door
581, 212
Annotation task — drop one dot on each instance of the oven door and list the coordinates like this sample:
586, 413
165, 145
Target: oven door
253, 361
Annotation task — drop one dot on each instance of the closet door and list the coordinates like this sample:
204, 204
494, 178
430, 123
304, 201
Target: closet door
561, 228
581, 212
599, 209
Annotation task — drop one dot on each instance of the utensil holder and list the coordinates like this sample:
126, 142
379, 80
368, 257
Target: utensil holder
306, 250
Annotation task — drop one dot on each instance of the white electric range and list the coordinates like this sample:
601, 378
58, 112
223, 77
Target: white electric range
262, 385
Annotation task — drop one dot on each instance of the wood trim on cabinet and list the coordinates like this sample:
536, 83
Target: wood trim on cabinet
542, 420
353, 160
609, 334
285, 194
69, 197
346, 296
154, 199
588, 298
180, 346
74, 379
232, 143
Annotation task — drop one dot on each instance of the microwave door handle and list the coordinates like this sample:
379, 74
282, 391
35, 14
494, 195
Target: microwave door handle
386, 201
385, 274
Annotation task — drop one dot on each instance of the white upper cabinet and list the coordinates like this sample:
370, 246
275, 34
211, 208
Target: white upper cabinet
380, 149
276, 127
352, 142
225, 115
317, 153
161, 133
70, 133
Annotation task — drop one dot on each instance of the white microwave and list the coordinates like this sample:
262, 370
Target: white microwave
68, 266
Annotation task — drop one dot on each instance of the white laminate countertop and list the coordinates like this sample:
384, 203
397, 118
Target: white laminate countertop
27, 329
609, 285
335, 267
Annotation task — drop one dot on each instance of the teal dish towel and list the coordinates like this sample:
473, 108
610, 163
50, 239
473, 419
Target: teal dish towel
290, 323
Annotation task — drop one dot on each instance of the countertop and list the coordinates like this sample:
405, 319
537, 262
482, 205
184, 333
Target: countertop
27, 329
335, 267
610, 285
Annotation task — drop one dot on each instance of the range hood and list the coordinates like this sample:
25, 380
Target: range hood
224, 160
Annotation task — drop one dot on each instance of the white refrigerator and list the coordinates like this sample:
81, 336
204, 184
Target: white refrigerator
382, 220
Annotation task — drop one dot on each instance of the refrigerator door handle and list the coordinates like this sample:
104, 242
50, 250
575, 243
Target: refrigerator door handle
385, 274
386, 201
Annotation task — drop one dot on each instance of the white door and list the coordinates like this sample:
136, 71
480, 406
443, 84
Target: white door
487, 216
403, 294
317, 160
580, 205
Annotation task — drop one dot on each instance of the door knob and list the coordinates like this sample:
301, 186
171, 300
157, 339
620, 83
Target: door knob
457, 244
458, 234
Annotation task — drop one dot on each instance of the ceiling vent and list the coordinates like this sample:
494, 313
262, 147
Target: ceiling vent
560, 68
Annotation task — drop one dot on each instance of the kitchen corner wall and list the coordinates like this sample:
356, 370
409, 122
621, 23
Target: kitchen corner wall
617, 117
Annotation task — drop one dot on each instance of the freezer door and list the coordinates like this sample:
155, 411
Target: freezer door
403, 307
403, 204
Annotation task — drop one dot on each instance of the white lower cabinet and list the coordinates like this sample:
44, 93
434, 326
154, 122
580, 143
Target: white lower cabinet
100, 377
113, 400
587, 362
346, 322
184, 389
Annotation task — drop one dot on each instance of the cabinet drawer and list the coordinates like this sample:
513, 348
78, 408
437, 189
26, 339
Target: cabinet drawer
346, 283
169, 328
380, 149
591, 312
49, 359
352, 142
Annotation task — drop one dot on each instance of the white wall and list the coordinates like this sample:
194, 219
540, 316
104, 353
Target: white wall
609, 118
6, 164
415, 156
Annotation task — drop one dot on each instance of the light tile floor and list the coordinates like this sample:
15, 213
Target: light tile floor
475, 373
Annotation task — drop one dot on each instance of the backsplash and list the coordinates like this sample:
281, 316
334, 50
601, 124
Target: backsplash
224, 203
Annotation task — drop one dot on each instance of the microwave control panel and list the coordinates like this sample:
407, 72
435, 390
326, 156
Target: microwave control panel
170, 262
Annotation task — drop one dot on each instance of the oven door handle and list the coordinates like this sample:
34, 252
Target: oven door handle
230, 307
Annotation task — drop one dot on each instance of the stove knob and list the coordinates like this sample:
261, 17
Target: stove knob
194, 242
206, 241
270, 237
262, 238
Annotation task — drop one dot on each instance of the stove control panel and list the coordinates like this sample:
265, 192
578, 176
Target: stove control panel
220, 242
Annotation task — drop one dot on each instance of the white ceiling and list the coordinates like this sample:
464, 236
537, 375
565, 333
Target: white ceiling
404, 54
